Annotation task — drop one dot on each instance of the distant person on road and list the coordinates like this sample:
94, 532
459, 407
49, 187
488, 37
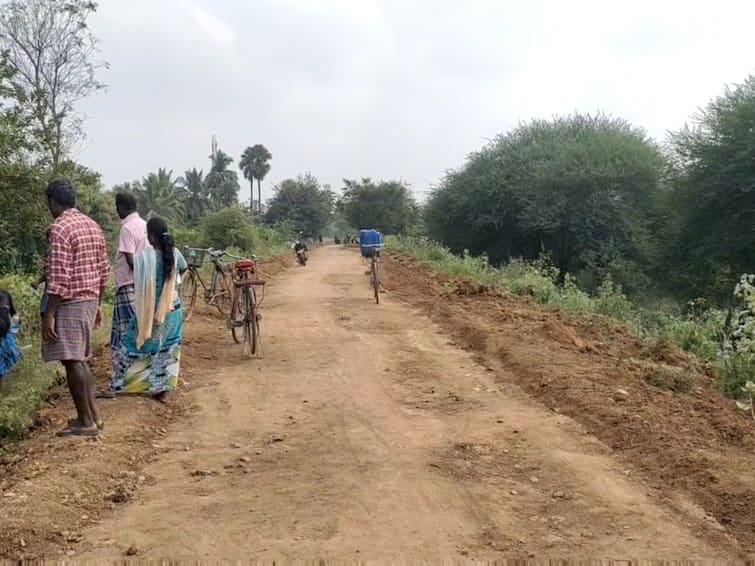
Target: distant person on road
77, 273
148, 357
132, 240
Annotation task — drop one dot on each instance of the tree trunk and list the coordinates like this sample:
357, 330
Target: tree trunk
251, 198
259, 196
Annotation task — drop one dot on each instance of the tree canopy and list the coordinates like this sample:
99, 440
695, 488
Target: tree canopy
385, 205
582, 189
255, 164
711, 206
54, 57
302, 202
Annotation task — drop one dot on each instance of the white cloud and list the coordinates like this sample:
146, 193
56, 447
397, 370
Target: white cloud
213, 26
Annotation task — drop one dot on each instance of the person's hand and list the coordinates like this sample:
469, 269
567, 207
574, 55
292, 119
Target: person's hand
34, 285
98, 318
48, 329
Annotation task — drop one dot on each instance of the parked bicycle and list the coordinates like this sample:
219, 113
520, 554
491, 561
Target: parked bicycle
245, 318
370, 243
218, 293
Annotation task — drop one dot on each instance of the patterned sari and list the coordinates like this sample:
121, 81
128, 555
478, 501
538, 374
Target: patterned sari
10, 354
149, 355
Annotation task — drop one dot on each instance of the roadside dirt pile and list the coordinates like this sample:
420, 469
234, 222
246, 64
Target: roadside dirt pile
652, 404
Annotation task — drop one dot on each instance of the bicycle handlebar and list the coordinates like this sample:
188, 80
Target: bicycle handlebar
217, 254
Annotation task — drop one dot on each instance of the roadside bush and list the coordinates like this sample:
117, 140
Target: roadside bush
228, 228
22, 392
26, 300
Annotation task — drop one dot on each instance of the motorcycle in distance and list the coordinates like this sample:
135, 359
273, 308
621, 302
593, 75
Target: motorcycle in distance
300, 249
301, 256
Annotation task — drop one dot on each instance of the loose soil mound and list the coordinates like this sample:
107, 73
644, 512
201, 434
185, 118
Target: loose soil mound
653, 404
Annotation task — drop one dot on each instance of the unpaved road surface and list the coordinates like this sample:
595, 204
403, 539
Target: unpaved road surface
364, 433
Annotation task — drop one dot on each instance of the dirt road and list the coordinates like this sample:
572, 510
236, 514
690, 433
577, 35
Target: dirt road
366, 434
363, 433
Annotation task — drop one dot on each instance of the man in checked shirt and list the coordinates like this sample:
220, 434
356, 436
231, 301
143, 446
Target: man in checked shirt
77, 272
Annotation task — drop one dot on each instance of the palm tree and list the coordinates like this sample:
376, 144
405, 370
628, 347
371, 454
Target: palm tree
159, 194
255, 163
197, 194
222, 183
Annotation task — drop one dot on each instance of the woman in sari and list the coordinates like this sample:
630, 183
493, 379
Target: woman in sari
147, 361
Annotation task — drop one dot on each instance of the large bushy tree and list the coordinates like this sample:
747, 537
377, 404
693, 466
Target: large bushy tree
385, 205
712, 204
302, 202
581, 188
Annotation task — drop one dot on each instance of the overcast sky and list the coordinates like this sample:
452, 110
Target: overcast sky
391, 88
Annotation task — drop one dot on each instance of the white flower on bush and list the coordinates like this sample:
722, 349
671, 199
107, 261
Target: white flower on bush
741, 338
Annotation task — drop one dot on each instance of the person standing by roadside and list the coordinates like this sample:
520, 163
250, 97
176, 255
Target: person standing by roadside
132, 240
77, 273
149, 354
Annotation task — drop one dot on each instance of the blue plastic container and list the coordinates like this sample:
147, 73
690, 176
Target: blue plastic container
370, 242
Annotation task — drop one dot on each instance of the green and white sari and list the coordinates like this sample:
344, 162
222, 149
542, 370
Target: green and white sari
149, 356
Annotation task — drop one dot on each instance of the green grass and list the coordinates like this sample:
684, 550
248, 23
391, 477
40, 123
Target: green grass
695, 331
23, 391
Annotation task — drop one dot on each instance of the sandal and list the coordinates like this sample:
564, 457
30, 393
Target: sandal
108, 394
74, 430
100, 424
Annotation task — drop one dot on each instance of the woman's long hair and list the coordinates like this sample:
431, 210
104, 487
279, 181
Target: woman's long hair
157, 229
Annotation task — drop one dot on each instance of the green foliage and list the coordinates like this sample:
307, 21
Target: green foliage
255, 164
197, 195
228, 228
160, 194
697, 332
711, 205
387, 206
22, 392
580, 188
22, 190
303, 203
222, 184
749, 391
53, 53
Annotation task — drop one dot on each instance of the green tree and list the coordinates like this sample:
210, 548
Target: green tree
222, 183
711, 206
91, 199
197, 195
53, 53
22, 190
160, 194
583, 189
387, 205
302, 202
255, 164
228, 228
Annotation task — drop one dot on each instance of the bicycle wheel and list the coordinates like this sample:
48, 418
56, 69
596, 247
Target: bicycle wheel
376, 280
250, 323
237, 316
219, 293
189, 294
